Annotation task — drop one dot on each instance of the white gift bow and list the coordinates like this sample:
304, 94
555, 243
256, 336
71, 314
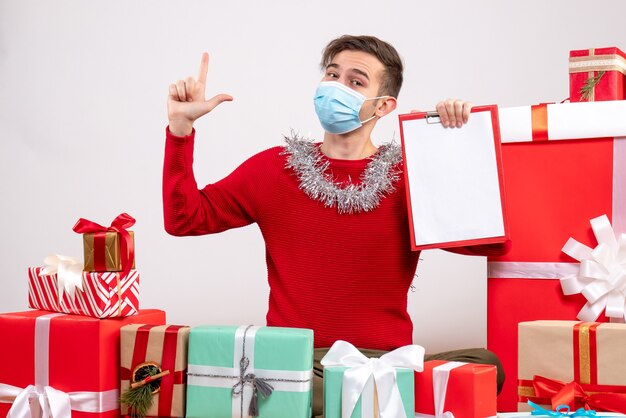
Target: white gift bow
361, 368
69, 271
602, 274
51, 402
441, 375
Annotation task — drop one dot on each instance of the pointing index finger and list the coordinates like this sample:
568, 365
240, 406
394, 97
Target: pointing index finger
204, 68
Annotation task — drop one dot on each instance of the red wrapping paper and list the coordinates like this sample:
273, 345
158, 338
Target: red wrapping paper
612, 84
83, 352
471, 391
553, 189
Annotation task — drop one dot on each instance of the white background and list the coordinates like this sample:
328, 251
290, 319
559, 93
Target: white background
83, 86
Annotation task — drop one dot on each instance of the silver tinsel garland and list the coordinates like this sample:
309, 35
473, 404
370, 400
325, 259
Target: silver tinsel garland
377, 180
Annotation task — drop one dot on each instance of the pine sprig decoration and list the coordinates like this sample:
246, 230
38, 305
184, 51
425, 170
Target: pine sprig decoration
139, 397
590, 84
139, 400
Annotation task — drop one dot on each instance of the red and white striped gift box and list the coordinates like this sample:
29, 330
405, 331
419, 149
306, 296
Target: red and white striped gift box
103, 294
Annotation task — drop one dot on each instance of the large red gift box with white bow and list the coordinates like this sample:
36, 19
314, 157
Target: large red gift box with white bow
67, 365
564, 165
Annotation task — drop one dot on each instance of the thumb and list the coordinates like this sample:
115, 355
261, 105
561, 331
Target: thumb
214, 101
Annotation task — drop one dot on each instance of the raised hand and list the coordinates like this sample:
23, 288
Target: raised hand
186, 101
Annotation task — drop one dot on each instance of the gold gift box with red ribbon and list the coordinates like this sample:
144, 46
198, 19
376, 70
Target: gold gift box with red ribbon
163, 349
597, 74
109, 248
580, 364
102, 251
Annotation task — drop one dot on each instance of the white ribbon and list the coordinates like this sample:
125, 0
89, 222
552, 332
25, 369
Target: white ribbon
69, 271
572, 281
441, 375
530, 270
43, 401
602, 274
382, 370
49, 402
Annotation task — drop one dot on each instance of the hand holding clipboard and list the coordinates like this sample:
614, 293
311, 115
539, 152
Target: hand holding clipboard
453, 178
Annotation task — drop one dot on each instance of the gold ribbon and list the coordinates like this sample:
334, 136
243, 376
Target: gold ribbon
584, 353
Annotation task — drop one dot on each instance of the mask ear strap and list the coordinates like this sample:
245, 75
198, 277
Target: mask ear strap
376, 98
363, 122
374, 115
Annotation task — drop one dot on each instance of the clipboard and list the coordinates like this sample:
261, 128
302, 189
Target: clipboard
454, 182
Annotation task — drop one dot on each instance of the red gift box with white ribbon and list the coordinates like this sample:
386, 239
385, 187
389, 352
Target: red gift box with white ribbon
453, 388
564, 165
53, 364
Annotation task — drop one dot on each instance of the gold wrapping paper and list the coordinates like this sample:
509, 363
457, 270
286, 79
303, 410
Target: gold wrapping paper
154, 354
546, 348
112, 251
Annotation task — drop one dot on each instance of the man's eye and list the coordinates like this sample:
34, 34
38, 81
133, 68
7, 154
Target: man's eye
356, 83
331, 75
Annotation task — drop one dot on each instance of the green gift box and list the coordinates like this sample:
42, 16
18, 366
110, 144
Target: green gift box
232, 369
362, 387
333, 382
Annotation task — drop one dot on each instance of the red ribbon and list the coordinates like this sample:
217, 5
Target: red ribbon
119, 225
168, 362
574, 395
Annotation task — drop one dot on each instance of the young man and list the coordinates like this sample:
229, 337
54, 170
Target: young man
333, 215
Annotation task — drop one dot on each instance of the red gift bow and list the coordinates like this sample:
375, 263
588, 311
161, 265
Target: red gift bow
573, 395
119, 225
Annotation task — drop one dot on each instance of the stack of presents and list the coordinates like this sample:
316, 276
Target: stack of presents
87, 349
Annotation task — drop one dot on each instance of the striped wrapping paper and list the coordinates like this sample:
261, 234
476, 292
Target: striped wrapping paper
103, 295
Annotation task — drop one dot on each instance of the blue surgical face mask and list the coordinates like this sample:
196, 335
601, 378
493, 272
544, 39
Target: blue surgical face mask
338, 106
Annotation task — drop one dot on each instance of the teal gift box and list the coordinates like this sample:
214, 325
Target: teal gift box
333, 382
233, 369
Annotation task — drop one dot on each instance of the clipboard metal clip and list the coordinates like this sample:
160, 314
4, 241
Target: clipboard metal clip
432, 118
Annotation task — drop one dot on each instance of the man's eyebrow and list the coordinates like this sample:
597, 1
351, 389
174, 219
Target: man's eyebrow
363, 73
356, 70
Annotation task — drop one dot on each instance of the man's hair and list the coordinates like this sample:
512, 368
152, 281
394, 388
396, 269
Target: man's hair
391, 79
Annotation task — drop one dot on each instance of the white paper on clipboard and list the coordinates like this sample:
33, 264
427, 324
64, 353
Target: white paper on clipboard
453, 180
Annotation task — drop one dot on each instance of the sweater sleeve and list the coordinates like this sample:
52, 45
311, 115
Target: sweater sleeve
230, 203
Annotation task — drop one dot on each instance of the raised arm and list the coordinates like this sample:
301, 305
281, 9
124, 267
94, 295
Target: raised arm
188, 210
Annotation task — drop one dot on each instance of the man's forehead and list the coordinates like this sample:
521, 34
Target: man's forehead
358, 61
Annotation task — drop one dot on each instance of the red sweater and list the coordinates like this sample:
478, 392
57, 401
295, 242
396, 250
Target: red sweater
346, 276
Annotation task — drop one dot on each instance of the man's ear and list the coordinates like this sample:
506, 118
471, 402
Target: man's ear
385, 106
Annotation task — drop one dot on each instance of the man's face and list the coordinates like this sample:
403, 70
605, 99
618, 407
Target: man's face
359, 71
